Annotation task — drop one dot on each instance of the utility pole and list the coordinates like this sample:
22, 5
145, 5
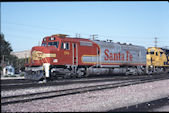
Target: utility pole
77, 35
94, 36
155, 41
38, 43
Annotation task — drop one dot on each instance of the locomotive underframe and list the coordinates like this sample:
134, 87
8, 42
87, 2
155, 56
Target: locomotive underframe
156, 69
50, 72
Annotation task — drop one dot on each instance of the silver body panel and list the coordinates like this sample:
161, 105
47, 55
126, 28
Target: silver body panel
117, 54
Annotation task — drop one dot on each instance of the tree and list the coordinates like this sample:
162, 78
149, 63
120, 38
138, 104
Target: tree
8, 59
5, 49
21, 64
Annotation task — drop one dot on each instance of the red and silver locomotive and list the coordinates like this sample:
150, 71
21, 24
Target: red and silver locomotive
60, 55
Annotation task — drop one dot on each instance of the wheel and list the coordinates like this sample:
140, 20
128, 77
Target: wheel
67, 75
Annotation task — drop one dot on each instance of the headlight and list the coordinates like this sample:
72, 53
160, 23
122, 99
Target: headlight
55, 60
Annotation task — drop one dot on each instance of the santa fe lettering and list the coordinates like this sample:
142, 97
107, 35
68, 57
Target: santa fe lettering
117, 56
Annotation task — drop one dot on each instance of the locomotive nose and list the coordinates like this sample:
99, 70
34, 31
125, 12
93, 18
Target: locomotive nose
37, 55
40, 55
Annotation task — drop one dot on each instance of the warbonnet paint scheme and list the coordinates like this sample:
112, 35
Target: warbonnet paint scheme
63, 56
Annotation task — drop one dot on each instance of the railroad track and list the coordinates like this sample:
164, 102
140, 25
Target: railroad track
23, 84
14, 81
57, 93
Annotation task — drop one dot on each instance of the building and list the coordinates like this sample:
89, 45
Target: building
8, 70
22, 54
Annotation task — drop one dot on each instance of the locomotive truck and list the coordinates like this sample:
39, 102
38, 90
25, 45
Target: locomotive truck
63, 56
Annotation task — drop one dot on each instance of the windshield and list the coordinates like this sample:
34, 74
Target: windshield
43, 44
56, 44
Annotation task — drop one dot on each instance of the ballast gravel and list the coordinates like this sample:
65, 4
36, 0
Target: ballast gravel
53, 88
97, 101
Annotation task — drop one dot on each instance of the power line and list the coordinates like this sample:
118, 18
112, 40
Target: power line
44, 27
93, 36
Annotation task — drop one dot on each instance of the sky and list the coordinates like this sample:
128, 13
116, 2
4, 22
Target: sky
25, 24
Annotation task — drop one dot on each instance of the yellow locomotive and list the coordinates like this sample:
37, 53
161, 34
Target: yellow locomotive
157, 60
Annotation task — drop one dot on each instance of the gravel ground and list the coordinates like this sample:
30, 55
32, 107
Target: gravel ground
103, 100
52, 88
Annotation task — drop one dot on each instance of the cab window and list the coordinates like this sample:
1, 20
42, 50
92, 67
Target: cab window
56, 44
147, 52
43, 44
65, 45
62, 46
161, 54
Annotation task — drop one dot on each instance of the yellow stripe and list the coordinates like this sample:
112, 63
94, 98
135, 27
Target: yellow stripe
49, 55
37, 55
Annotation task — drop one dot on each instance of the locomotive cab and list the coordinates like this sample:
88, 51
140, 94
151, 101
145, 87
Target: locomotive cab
156, 60
42, 57
60, 56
